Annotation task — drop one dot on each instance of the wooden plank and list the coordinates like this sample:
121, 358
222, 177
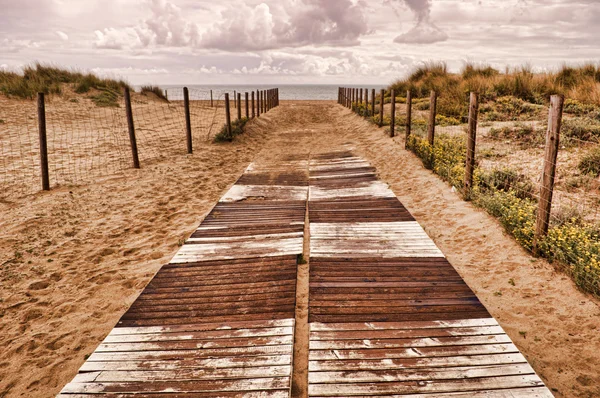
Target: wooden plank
253, 192
423, 352
213, 334
412, 363
193, 374
237, 352
401, 343
256, 384
429, 386
404, 333
213, 394
421, 374
231, 326
210, 363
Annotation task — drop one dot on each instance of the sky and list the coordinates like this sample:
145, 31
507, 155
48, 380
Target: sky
293, 41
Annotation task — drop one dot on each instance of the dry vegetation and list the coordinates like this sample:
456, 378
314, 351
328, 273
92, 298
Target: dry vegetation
510, 151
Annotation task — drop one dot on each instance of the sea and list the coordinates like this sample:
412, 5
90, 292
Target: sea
323, 92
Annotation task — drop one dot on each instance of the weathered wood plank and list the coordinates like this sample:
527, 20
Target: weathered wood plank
429, 386
401, 364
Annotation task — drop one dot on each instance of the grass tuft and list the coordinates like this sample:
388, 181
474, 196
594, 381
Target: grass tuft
237, 128
159, 92
48, 79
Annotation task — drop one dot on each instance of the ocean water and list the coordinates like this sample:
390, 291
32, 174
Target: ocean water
286, 92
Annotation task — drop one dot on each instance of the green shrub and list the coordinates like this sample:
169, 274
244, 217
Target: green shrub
581, 128
237, 128
507, 180
522, 133
590, 163
106, 98
579, 108
578, 247
445, 121
517, 215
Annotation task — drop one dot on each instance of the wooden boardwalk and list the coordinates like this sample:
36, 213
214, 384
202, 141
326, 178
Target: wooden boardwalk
389, 315
218, 320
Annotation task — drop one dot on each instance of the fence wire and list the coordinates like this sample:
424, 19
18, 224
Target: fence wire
509, 161
86, 141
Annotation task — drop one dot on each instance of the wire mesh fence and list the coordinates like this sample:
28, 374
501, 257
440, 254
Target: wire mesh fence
512, 167
87, 140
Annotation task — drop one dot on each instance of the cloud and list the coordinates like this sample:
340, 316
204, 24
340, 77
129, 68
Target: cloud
165, 27
287, 23
62, 35
243, 29
425, 31
15, 46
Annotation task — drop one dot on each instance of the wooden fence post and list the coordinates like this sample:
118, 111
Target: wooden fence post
366, 113
228, 116
188, 120
211, 98
432, 113
234, 98
253, 109
239, 106
262, 101
471, 141
542, 220
257, 103
381, 97
41, 108
408, 117
247, 106
131, 128
360, 98
393, 114
373, 102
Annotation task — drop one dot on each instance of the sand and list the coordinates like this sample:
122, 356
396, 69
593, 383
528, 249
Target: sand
73, 259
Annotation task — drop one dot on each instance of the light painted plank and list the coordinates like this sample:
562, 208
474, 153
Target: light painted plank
191, 353
250, 248
527, 392
176, 386
387, 239
194, 374
401, 364
271, 192
211, 363
404, 333
462, 323
374, 189
422, 374
203, 327
422, 352
197, 344
401, 343
248, 394
215, 335
249, 238
429, 386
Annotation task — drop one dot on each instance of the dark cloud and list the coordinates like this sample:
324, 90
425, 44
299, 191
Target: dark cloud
425, 31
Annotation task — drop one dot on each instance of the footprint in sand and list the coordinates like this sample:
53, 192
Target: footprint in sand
39, 285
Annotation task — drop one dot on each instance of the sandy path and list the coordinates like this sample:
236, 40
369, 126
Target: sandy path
106, 240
